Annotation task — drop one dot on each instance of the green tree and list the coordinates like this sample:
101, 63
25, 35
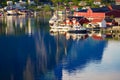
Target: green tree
36, 1
75, 2
47, 8
66, 1
90, 2
57, 1
2, 2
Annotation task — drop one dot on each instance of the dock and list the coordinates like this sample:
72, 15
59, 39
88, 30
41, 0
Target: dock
114, 32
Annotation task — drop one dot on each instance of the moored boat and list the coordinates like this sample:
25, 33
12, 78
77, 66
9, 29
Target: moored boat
11, 12
53, 20
60, 28
77, 29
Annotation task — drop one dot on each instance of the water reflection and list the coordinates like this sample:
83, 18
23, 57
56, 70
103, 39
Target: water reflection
37, 55
15, 25
82, 52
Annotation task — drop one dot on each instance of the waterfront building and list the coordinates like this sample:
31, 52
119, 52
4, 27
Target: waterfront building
29, 2
113, 13
96, 19
117, 2
98, 22
90, 14
109, 22
115, 7
97, 2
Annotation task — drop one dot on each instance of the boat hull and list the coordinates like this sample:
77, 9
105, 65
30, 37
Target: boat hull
77, 31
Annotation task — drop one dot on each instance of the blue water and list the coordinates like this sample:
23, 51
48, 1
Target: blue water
29, 52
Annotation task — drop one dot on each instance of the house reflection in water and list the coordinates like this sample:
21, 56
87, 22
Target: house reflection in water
79, 54
14, 25
43, 57
59, 53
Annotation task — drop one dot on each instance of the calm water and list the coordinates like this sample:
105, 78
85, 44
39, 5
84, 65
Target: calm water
29, 52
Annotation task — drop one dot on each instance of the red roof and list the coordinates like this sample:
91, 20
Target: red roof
97, 20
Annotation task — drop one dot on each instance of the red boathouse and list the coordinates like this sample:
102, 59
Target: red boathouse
90, 14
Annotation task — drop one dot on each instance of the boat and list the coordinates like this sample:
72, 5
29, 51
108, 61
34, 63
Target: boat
60, 28
77, 29
11, 12
53, 20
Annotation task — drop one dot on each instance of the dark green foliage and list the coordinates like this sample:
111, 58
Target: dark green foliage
55, 2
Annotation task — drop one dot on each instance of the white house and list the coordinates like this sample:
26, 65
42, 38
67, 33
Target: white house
98, 22
29, 2
97, 2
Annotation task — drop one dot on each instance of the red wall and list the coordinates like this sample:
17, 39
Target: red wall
90, 14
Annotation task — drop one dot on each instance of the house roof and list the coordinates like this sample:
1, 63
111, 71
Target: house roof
90, 14
102, 9
84, 20
114, 13
76, 17
116, 7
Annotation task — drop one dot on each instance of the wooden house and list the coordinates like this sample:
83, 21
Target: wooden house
90, 14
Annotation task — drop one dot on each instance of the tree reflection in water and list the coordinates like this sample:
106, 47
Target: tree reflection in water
33, 54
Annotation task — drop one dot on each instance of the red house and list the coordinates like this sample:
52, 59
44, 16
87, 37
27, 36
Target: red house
90, 14
114, 13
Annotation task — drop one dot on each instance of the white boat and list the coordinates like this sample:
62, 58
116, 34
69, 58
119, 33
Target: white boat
11, 12
78, 29
60, 28
53, 20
